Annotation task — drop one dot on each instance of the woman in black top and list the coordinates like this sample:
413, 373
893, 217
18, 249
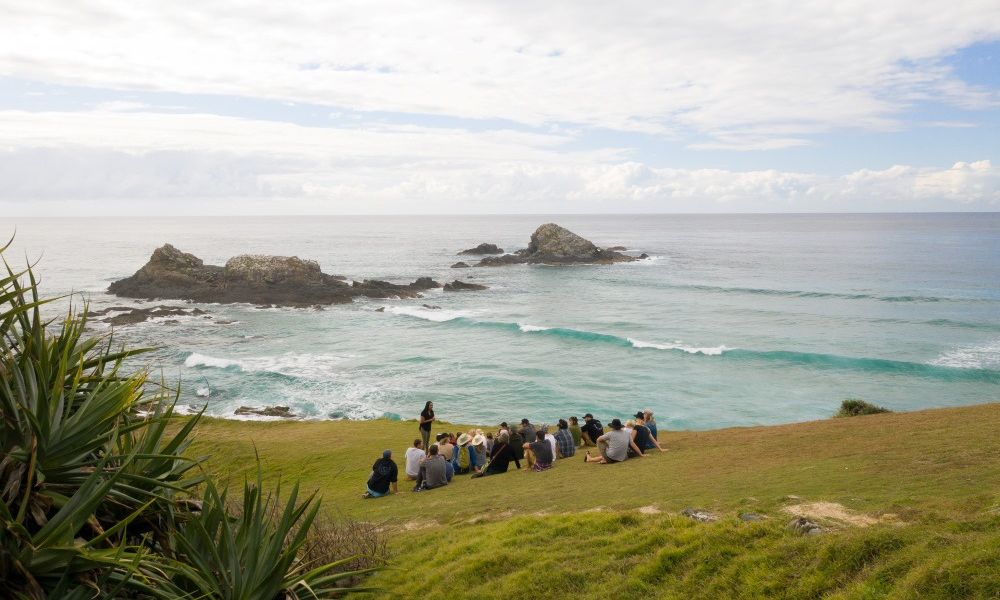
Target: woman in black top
426, 418
500, 457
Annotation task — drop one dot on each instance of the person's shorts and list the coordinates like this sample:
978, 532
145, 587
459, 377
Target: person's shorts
604, 453
375, 494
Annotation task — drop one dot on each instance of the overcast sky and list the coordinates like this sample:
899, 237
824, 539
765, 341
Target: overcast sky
320, 107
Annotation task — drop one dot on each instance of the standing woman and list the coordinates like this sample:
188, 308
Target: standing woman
426, 418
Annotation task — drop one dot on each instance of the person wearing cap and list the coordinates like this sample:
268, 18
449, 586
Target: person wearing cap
539, 453
642, 436
614, 445
565, 447
413, 456
384, 475
591, 430
574, 430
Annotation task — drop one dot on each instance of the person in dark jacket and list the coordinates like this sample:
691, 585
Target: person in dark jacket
384, 474
591, 430
500, 457
642, 436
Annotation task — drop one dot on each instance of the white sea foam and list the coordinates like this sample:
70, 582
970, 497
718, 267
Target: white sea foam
202, 360
438, 315
203, 392
708, 351
985, 356
308, 366
530, 328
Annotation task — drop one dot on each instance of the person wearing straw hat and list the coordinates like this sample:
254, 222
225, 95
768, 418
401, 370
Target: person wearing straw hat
465, 456
384, 475
614, 446
478, 444
539, 453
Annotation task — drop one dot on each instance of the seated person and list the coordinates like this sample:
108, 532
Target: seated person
539, 453
527, 431
433, 471
551, 439
465, 456
479, 447
413, 457
564, 440
591, 430
384, 474
500, 457
642, 436
574, 430
647, 416
614, 445
445, 447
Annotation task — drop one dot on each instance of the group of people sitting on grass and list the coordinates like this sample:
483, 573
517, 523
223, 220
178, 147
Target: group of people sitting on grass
480, 454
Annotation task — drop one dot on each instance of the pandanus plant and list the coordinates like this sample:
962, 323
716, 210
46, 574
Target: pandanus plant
98, 498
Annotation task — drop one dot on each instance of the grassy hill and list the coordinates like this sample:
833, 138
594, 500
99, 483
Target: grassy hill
909, 503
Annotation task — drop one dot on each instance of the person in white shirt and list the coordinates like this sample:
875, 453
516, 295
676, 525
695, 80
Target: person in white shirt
413, 457
551, 439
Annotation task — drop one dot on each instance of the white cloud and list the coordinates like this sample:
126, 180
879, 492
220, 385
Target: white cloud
141, 163
738, 74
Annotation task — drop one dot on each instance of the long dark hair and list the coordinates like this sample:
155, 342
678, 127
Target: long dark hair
427, 407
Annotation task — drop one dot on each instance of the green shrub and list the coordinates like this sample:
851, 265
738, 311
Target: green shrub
854, 407
98, 497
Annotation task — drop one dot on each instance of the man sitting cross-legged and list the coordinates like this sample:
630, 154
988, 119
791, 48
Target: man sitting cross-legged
539, 453
614, 445
433, 471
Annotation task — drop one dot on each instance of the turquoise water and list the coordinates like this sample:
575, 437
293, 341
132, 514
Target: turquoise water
736, 320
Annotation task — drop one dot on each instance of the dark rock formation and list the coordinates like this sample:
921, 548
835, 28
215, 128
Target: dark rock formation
617, 249
128, 315
261, 280
499, 261
460, 265
267, 411
431, 306
484, 249
461, 286
555, 245
804, 526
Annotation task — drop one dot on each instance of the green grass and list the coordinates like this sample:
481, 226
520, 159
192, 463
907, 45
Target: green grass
930, 479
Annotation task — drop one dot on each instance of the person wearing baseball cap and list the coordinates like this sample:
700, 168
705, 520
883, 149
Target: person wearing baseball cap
591, 430
384, 474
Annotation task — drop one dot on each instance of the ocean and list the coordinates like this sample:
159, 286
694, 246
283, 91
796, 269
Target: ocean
734, 320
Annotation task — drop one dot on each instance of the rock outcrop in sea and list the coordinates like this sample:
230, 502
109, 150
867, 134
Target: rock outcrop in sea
483, 248
555, 245
263, 280
462, 286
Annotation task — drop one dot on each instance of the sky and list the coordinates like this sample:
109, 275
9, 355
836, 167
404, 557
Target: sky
318, 107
